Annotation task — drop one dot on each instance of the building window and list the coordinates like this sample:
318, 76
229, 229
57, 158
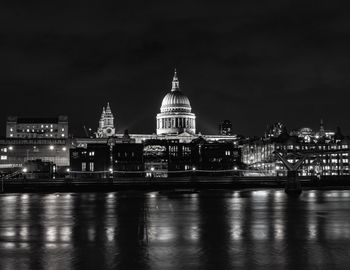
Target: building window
91, 154
91, 165
3, 158
83, 166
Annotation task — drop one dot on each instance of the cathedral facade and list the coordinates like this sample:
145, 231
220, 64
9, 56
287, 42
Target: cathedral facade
175, 115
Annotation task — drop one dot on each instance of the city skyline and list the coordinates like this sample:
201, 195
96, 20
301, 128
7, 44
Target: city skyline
80, 131
251, 63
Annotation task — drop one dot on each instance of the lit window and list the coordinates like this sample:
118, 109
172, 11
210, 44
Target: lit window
91, 154
91, 166
11, 129
3, 157
11, 135
51, 147
10, 148
51, 130
64, 148
62, 135
62, 129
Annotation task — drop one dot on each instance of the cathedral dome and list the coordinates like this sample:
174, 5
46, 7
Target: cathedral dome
175, 115
175, 100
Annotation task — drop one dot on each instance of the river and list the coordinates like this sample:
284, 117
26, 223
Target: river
214, 229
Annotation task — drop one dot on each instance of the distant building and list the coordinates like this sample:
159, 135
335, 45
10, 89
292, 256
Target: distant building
274, 130
175, 115
15, 152
324, 156
309, 135
37, 128
225, 128
154, 157
106, 124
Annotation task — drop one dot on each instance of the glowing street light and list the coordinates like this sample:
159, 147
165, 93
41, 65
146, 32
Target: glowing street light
24, 170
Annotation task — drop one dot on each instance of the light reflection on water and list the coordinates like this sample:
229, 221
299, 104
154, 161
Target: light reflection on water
173, 230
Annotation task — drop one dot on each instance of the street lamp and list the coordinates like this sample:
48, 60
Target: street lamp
111, 142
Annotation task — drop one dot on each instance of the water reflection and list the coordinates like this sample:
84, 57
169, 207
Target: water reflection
172, 230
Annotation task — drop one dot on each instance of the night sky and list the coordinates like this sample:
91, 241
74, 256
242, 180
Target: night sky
253, 62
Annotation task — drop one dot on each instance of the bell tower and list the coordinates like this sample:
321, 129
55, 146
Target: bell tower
106, 124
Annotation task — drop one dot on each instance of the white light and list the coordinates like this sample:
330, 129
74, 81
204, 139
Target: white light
64, 148
24, 170
110, 170
51, 147
68, 170
194, 168
235, 168
152, 169
10, 148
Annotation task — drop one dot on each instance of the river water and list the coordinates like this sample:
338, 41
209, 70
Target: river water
175, 230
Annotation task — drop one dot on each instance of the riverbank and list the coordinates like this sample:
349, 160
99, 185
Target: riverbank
103, 185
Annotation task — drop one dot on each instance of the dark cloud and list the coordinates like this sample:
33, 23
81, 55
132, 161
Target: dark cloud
249, 61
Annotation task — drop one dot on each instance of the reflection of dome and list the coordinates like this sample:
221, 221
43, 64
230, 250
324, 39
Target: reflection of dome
175, 112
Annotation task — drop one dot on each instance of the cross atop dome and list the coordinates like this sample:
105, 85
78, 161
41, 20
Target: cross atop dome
175, 83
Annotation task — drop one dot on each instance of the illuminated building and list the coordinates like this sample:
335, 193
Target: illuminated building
274, 130
153, 158
175, 115
38, 128
15, 152
225, 128
324, 156
106, 124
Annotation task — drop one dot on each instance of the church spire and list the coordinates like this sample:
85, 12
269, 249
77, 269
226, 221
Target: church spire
322, 131
108, 109
175, 83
